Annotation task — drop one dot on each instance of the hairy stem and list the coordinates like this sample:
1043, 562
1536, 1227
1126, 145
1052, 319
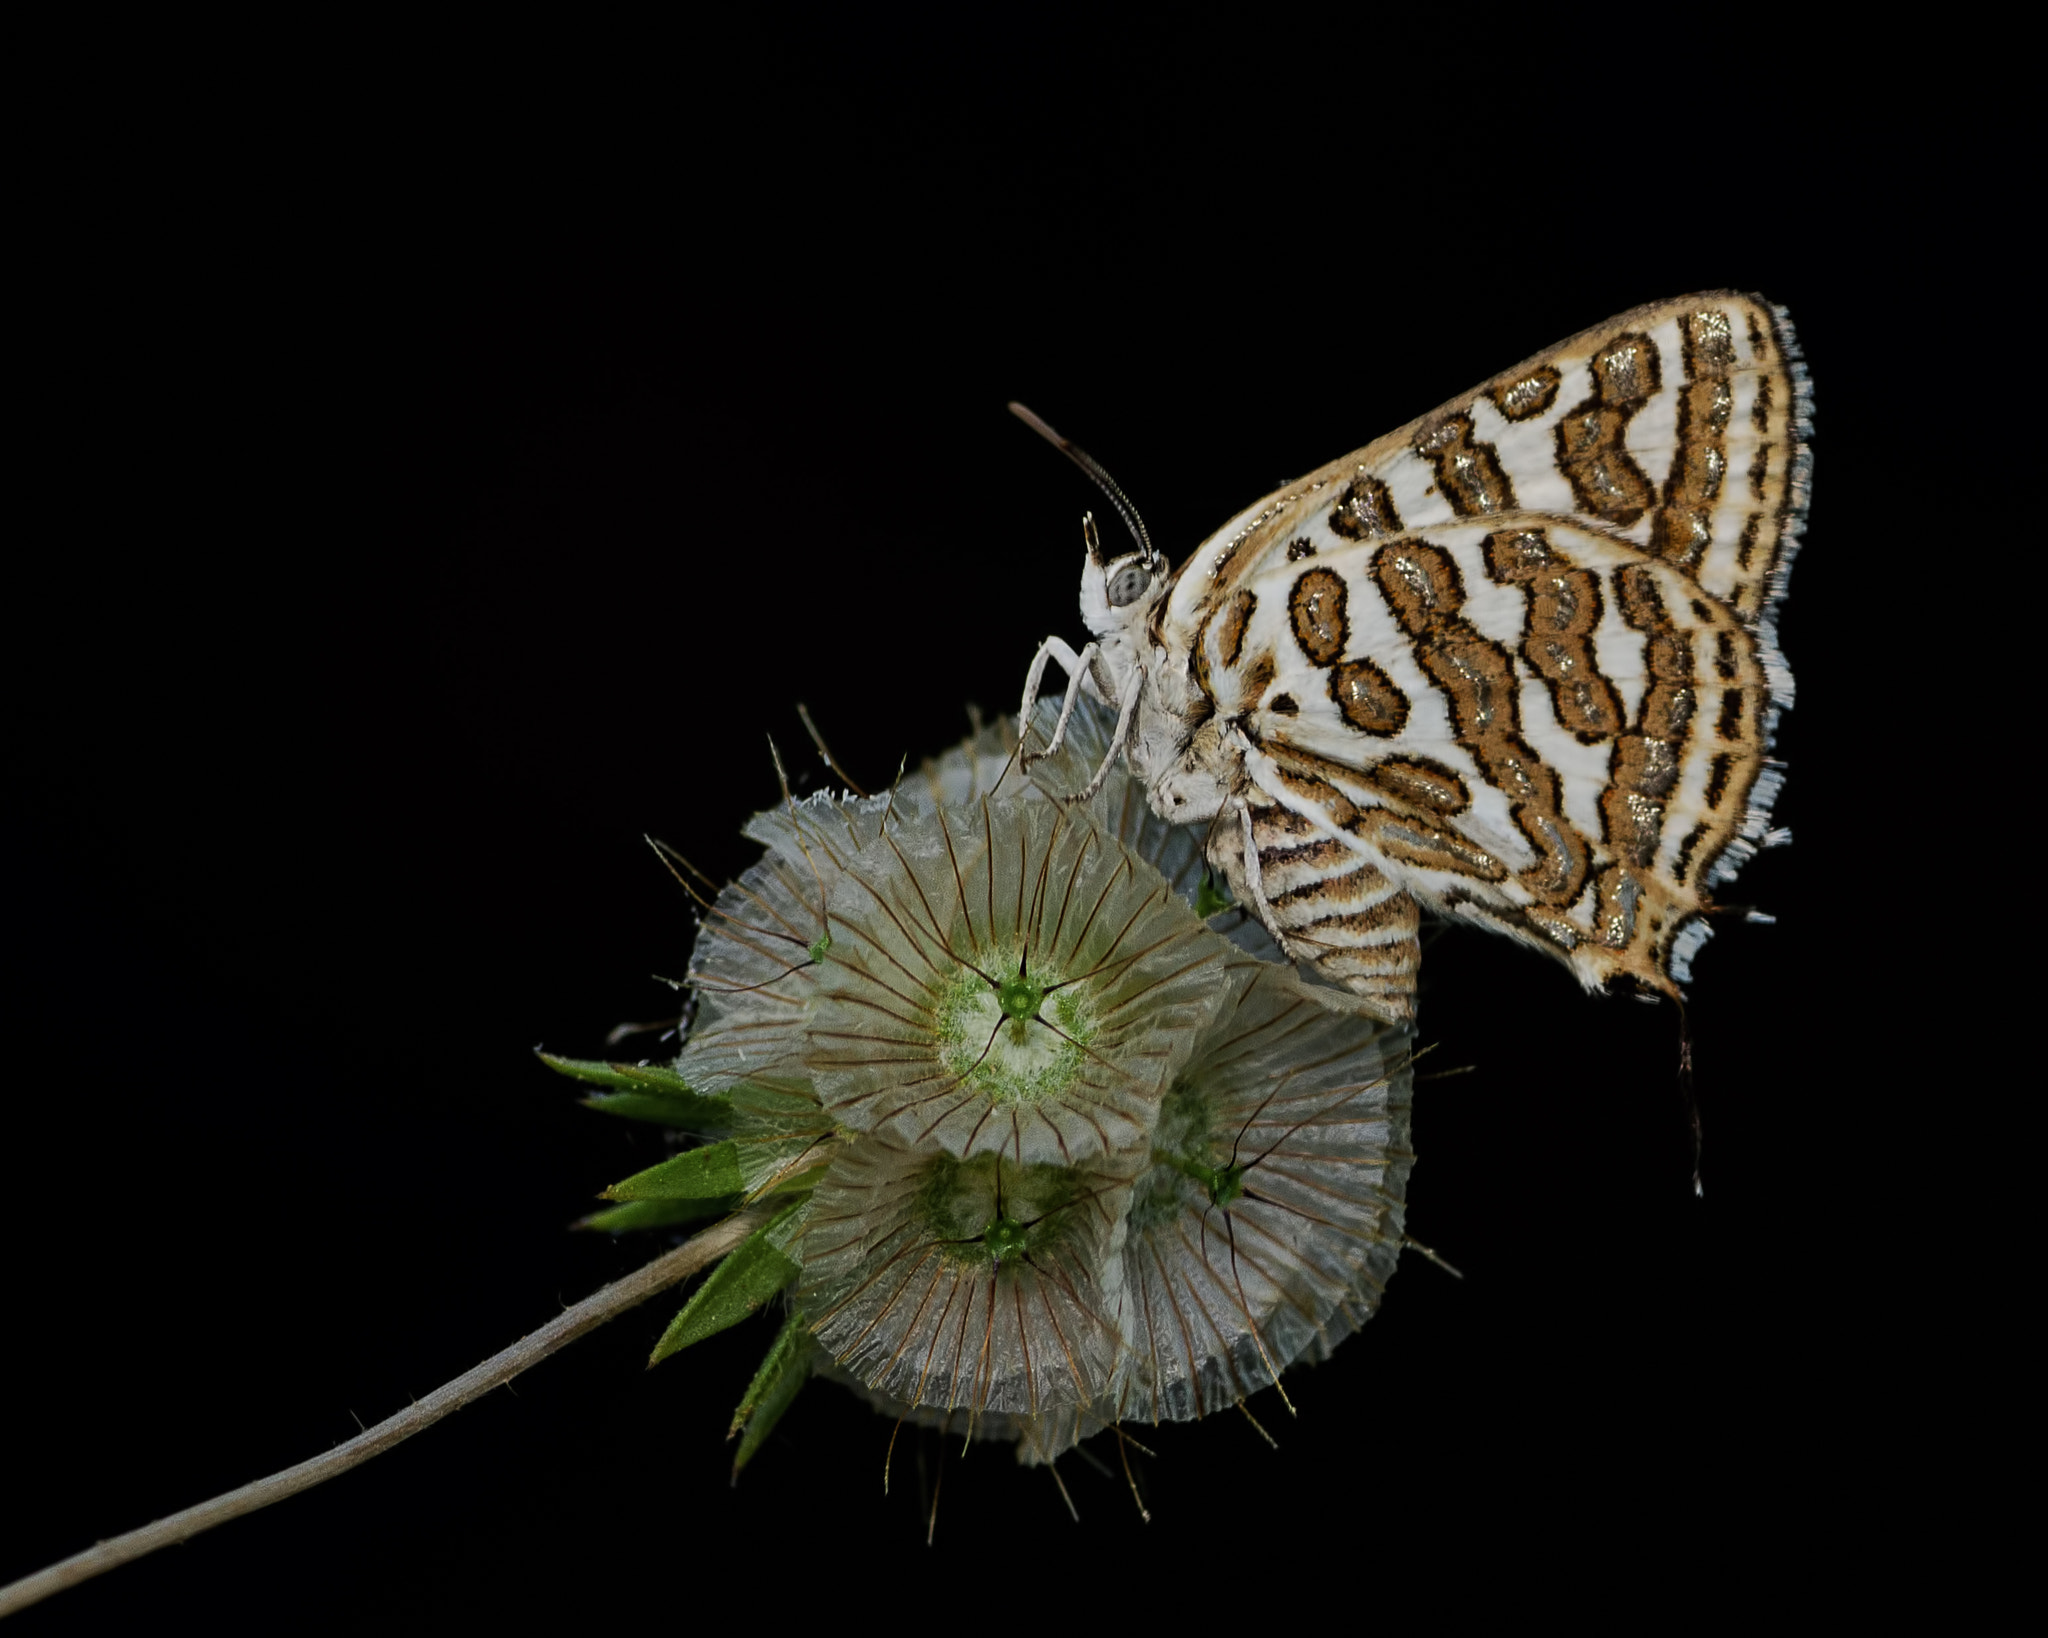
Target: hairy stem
474, 1383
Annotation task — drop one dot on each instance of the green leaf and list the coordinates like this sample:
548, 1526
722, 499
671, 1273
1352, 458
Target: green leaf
737, 1287
646, 1092
710, 1173
650, 1214
780, 1378
626, 1077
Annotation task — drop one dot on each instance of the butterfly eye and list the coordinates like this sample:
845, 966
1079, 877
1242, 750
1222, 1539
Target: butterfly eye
1128, 585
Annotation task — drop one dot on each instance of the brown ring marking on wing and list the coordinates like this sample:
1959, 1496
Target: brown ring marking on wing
1423, 587
1468, 470
1364, 511
1563, 608
1684, 525
1368, 699
1592, 448
1316, 608
1526, 396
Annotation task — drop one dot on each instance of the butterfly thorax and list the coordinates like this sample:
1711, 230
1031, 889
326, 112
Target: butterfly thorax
1180, 750
1190, 771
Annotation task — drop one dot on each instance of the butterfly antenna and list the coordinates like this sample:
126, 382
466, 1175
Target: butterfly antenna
1103, 481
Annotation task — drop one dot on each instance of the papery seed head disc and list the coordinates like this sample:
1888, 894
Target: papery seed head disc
983, 764
907, 1030
981, 1286
988, 762
753, 966
1039, 1438
1286, 1141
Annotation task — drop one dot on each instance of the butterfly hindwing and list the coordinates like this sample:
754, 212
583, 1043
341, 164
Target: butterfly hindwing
1517, 658
1531, 724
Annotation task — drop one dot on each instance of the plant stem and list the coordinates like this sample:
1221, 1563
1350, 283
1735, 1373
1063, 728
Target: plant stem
494, 1372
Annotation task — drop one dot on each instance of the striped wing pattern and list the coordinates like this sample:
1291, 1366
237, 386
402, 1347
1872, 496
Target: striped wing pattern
1516, 661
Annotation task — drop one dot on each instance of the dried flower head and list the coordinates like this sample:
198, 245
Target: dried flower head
977, 1285
760, 942
1262, 1223
1051, 1139
1271, 1215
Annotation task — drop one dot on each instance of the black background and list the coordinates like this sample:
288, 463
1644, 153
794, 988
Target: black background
450, 480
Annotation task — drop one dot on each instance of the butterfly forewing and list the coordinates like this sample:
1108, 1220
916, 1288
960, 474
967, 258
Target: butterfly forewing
1676, 427
1517, 658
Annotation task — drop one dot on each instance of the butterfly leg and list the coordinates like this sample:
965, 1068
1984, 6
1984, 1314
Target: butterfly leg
1128, 709
1077, 669
1254, 880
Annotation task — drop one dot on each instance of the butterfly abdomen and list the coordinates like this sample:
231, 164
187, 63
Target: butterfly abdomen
1331, 906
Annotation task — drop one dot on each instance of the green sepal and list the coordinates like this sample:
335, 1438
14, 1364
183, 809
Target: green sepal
780, 1378
625, 1077
751, 1274
710, 1173
645, 1092
652, 1214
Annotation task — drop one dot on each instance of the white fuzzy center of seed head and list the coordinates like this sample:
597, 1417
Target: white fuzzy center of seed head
1011, 1052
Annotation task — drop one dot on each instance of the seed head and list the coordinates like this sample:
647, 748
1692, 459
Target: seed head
978, 1285
1270, 1217
764, 940
1008, 978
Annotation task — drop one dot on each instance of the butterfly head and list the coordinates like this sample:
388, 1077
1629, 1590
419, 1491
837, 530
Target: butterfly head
1118, 594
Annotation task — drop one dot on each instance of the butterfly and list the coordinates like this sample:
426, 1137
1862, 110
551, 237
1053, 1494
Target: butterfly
1515, 663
